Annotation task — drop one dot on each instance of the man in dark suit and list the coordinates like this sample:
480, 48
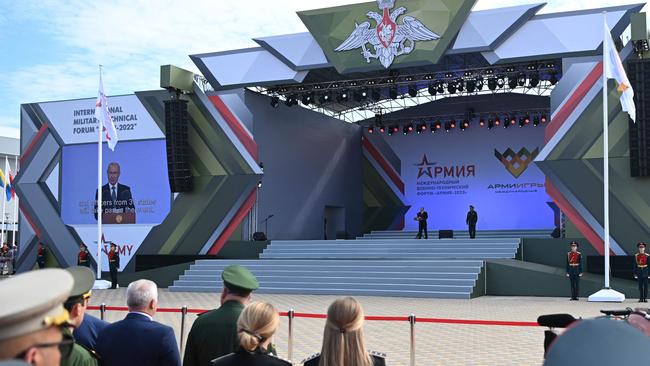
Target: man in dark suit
421, 218
137, 340
471, 220
87, 332
113, 264
116, 197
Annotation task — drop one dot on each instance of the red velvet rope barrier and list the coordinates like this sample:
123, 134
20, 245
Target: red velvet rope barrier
369, 318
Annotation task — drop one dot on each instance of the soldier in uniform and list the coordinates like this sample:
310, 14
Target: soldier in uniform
83, 256
214, 333
113, 264
30, 322
41, 255
641, 271
574, 269
76, 306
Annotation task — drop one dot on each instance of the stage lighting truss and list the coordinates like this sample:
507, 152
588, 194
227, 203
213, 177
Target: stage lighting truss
450, 122
356, 99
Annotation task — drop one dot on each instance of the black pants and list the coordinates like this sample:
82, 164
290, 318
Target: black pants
422, 228
41, 264
472, 231
642, 274
574, 278
113, 271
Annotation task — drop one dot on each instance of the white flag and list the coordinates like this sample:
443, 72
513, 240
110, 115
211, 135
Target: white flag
104, 118
613, 69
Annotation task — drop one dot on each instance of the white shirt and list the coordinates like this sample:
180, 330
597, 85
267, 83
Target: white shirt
145, 314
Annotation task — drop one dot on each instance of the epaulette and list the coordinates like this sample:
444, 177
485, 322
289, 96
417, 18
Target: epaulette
311, 357
377, 354
280, 358
92, 352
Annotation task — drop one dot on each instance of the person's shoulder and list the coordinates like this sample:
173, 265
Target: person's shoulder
94, 321
312, 360
123, 186
378, 358
84, 355
277, 361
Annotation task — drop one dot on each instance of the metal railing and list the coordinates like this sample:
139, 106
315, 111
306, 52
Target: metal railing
291, 315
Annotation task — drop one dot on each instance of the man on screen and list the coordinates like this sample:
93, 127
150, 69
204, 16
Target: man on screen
116, 197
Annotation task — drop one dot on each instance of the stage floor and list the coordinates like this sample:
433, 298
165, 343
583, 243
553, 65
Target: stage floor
436, 344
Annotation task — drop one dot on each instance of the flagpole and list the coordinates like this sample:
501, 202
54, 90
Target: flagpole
13, 239
4, 203
606, 156
99, 189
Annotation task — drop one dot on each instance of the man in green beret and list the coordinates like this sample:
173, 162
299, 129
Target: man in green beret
76, 306
214, 333
31, 317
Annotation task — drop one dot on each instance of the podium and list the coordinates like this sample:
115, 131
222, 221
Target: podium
118, 218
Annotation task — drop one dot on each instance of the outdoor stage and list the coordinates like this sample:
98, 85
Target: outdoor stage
346, 131
507, 338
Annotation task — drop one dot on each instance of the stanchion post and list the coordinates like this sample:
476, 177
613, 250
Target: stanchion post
102, 310
290, 315
183, 316
412, 351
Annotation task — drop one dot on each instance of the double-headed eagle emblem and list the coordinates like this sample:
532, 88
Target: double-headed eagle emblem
388, 38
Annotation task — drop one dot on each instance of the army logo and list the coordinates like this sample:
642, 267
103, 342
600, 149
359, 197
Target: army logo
388, 38
516, 163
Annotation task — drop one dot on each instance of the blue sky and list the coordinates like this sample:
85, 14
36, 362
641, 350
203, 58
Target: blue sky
49, 50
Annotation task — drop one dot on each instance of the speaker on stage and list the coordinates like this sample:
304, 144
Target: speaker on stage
639, 132
445, 234
259, 236
178, 167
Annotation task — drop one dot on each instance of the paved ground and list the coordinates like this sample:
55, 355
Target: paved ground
436, 344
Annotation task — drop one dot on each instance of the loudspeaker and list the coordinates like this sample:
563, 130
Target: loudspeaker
639, 75
259, 236
445, 234
178, 167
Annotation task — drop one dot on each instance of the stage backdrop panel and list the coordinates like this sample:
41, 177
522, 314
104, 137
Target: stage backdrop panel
492, 170
143, 172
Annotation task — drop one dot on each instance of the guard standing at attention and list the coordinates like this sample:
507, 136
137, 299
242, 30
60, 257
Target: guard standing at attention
83, 259
113, 264
421, 218
471, 220
574, 269
214, 333
641, 271
41, 255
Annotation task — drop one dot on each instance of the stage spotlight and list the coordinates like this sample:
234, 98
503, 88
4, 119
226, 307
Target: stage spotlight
512, 81
471, 86
413, 91
464, 125
521, 79
452, 124
308, 98
513, 120
497, 121
410, 127
382, 129
536, 121
437, 126
527, 119
275, 101
553, 79
460, 85
360, 95
479, 83
405, 130
481, 122
440, 87
432, 127
490, 123
543, 118
422, 127
259, 184
501, 82
447, 126
492, 83
342, 96
432, 90
324, 98
522, 122
534, 81
376, 94
392, 129
291, 100
451, 87
392, 92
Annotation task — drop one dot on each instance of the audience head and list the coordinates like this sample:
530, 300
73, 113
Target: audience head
343, 336
256, 325
30, 322
238, 284
77, 302
142, 296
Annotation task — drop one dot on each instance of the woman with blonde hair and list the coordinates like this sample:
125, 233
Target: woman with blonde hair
343, 338
255, 327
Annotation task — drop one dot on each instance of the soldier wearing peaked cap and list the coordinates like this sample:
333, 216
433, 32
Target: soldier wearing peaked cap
214, 333
83, 258
574, 269
30, 322
76, 306
641, 271
113, 264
